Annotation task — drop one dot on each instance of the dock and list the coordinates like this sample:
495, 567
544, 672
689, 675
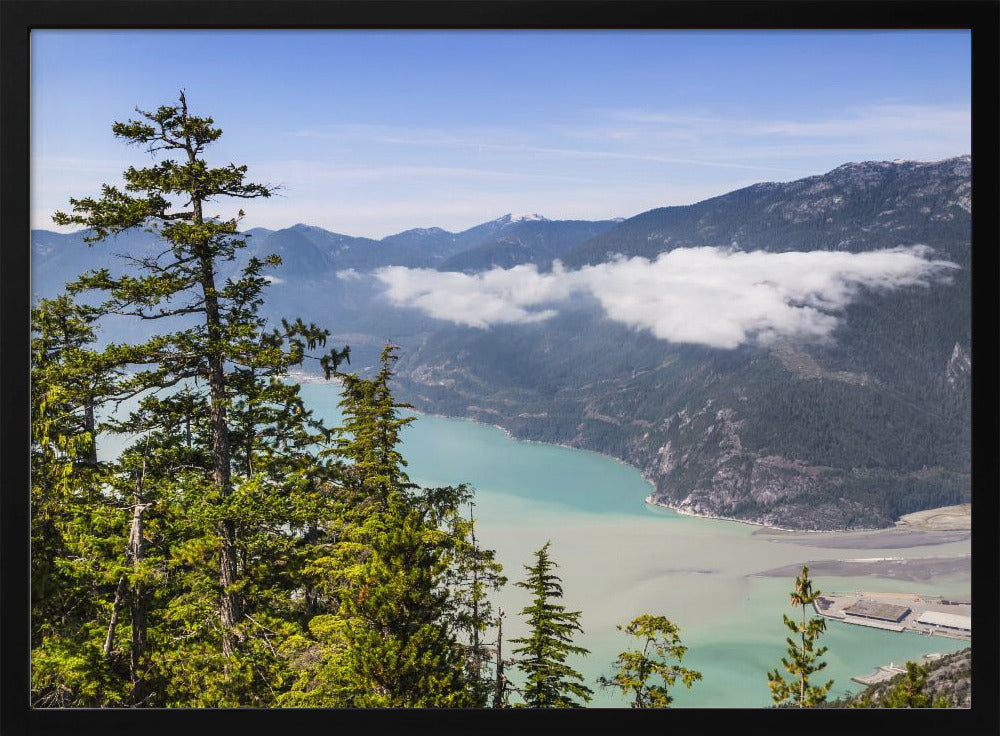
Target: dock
899, 612
881, 674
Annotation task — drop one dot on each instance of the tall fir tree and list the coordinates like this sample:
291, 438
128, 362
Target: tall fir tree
237, 552
391, 639
550, 682
255, 485
803, 659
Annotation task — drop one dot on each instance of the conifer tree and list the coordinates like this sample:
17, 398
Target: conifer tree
550, 682
391, 639
64, 391
661, 642
471, 573
68, 380
256, 485
803, 658
221, 560
370, 437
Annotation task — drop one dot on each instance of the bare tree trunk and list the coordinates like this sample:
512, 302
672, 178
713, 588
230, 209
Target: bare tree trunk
230, 609
501, 681
138, 603
109, 640
477, 652
91, 426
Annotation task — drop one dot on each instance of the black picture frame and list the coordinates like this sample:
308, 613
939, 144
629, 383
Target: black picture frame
19, 17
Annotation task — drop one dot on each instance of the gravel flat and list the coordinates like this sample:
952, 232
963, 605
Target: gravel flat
913, 570
919, 529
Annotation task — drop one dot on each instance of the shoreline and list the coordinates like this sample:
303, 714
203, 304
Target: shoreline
649, 499
762, 525
510, 435
899, 524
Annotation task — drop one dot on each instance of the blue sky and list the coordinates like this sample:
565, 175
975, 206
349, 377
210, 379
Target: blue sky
373, 132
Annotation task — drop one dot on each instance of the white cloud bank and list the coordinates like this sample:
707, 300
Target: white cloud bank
707, 296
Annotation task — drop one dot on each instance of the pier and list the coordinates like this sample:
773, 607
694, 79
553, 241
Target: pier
899, 612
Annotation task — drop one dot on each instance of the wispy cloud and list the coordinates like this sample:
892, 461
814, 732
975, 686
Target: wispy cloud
75, 164
887, 130
700, 139
376, 179
877, 121
311, 173
541, 143
706, 296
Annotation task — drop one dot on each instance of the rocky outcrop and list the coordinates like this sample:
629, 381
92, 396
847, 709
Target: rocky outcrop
958, 372
948, 677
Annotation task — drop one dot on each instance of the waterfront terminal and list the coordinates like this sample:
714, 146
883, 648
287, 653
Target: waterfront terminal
933, 616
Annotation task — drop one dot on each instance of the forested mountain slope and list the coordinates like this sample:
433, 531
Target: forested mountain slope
850, 433
537, 241
847, 432
856, 207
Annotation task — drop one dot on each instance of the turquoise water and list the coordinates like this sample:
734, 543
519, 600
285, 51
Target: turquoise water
619, 557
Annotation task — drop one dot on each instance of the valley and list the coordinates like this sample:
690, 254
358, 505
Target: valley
851, 429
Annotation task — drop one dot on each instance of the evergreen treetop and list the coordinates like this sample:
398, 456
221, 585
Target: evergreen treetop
803, 658
551, 682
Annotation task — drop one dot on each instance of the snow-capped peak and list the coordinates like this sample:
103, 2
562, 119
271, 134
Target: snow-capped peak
512, 217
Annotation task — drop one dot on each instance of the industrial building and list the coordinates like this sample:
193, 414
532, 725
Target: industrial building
946, 621
866, 608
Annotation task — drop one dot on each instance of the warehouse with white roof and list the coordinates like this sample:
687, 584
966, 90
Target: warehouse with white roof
946, 620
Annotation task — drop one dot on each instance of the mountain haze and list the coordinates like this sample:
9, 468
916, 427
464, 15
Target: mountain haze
849, 431
856, 207
537, 240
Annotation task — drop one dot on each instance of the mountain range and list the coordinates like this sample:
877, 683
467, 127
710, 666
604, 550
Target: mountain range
850, 431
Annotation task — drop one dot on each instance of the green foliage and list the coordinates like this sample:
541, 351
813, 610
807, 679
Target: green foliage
370, 436
393, 574
661, 641
471, 573
189, 551
401, 650
70, 516
550, 682
803, 658
908, 692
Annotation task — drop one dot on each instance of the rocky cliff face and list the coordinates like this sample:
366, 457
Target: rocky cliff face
958, 372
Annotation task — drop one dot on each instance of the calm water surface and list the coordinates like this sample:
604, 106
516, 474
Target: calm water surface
619, 557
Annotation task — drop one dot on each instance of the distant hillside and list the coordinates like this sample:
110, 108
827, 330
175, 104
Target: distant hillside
849, 434
537, 241
856, 207
310, 253
322, 276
